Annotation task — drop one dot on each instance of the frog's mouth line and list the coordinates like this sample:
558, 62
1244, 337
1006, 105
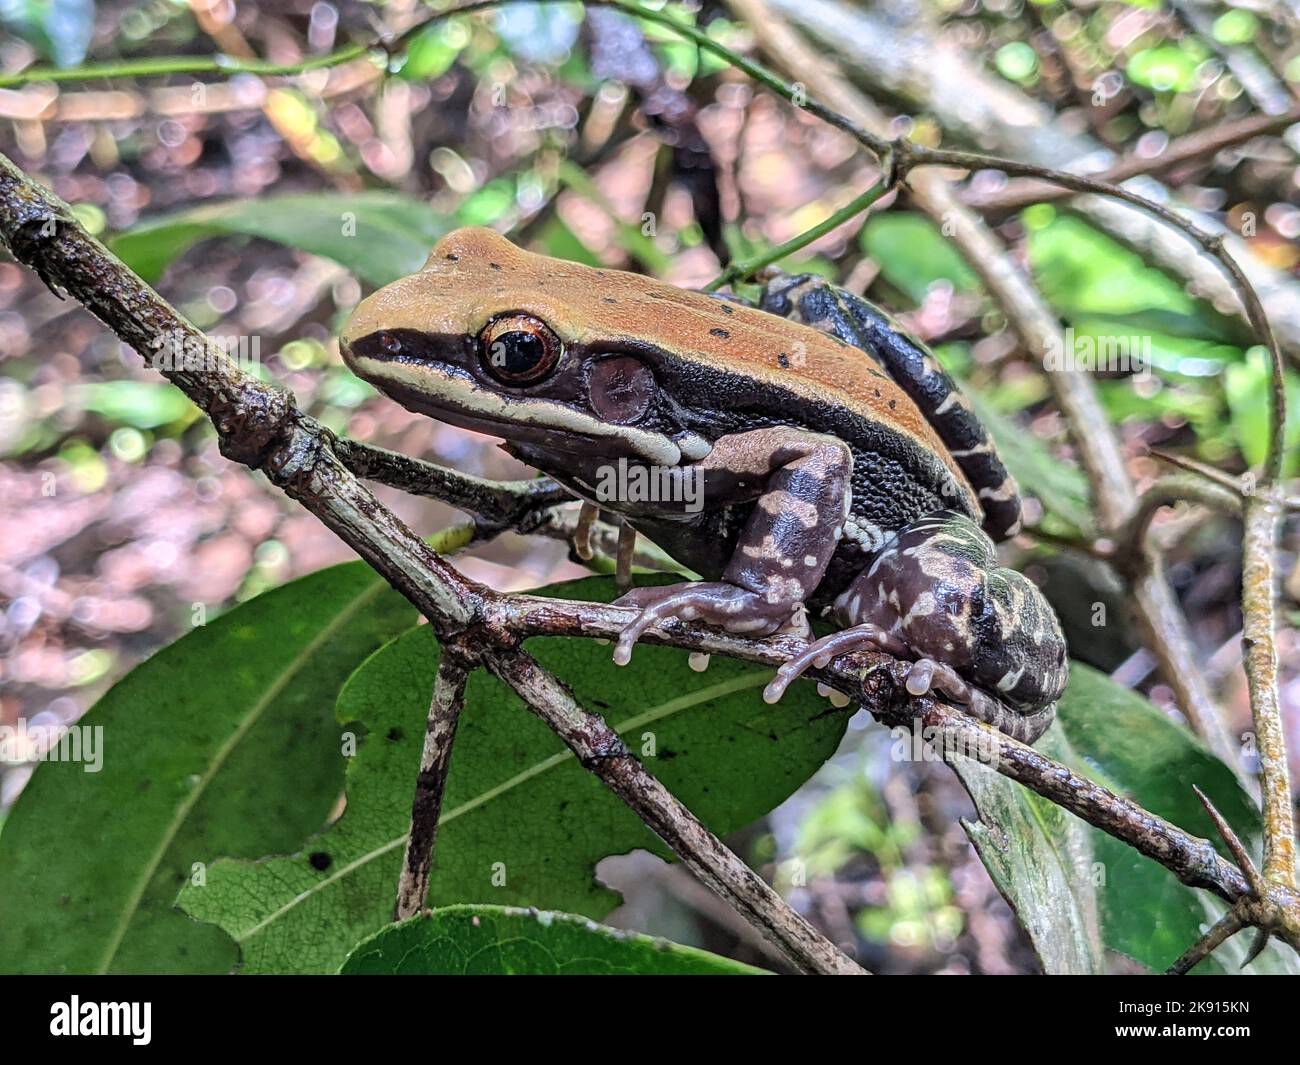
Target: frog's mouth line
449, 394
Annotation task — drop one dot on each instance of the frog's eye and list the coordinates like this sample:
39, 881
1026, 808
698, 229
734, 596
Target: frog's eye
519, 349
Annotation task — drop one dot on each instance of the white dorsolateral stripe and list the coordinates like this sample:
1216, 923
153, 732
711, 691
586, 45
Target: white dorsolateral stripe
469, 397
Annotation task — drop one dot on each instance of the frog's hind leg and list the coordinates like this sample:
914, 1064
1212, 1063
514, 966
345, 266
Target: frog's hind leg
814, 301
935, 594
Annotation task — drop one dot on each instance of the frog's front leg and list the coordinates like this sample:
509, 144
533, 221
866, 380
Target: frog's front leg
935, 594
801, 482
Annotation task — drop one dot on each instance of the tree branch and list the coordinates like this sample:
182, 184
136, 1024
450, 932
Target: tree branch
894, 48
496, 504
877, 682
445, 706
1021, 192
1163, 621
1040, 331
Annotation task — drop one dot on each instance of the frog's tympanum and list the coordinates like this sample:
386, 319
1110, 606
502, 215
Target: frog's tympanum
841, 469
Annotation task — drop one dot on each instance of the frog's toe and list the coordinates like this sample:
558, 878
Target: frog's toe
866, 637
927, 675
718, 604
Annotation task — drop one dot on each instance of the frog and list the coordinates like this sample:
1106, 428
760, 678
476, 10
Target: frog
838, 470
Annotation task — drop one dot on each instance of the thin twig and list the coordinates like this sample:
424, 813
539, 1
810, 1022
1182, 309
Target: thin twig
1204, 142
1220, 932
1263, 524
500, 504
907, 156
860, 676
1158, 611
263, 428
1242, 487
1129, 555
445, 706
748, 267
911, 60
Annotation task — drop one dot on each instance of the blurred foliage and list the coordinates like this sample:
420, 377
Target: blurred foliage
853, 825
59, 29
378, 236
913, 254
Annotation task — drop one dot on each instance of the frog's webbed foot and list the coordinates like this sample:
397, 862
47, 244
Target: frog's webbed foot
716, 603
924, 675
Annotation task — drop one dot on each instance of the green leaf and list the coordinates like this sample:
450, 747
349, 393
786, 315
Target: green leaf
61, 29
1235, 27
221, 744
430, 53
1041, 859
913, 253
486, 206
1086, 274
1124, 742
1109, 339
561, 242
1249, 387
379, 236
486, 940
522, 822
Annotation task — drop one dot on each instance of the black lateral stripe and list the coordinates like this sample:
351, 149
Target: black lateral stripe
896, 479
919, 374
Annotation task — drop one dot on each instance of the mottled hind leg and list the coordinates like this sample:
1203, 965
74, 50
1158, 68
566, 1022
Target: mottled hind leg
934, 593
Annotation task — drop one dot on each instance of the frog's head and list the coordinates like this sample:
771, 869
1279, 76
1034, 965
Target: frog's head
493, 338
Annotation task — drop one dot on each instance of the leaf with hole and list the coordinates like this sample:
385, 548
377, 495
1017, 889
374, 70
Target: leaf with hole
522, 822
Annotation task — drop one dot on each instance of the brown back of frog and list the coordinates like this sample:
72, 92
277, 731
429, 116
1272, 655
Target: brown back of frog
483, 273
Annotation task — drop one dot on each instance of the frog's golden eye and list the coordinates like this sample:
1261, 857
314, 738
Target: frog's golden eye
518, 349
